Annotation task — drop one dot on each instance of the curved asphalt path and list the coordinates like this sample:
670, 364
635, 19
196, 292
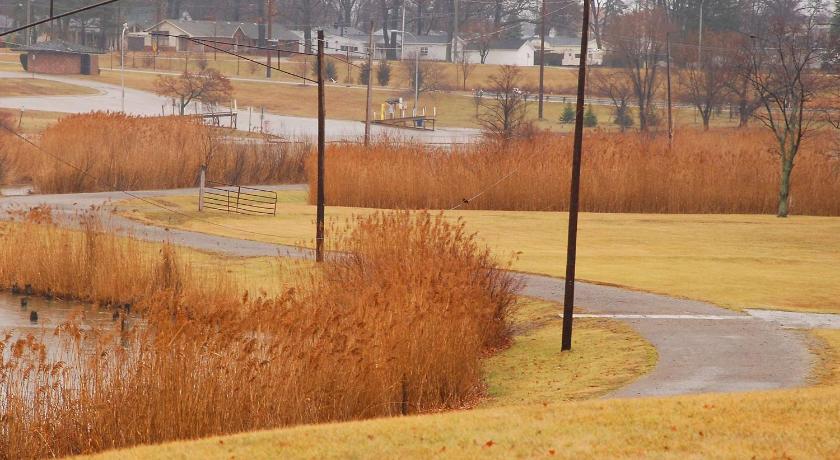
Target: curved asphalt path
142, 103
702, 348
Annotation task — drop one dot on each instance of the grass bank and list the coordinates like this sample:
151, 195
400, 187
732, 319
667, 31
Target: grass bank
778, 424
736, 261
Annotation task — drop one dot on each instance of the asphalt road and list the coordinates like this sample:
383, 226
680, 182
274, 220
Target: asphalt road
702, 348
143, 103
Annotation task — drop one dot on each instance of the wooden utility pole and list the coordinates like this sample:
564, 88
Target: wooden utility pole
668, 78
269, 22
369, 84
455, 32
574, 198
542, 58
319, 223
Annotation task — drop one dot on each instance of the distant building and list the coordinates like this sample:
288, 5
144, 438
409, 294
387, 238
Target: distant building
237, 36
6, 23
58, 57
565, 51
513, 51
429, 47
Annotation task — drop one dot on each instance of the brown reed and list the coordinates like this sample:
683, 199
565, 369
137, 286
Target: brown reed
396, 324
721, 171
110, 151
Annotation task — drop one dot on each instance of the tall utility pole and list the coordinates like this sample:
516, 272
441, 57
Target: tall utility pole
574, 198
542, 58
700, 35
268, 21
668, 77
416, 78
369, 85
668, 74
52, 26
455, 31
122, 63
28, 21
319, 222
402, 36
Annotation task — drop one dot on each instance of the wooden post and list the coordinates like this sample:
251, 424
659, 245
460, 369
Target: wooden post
319, 225
369, 84
202, 178
542, 59
268, 21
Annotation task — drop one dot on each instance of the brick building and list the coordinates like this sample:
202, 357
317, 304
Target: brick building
58, 57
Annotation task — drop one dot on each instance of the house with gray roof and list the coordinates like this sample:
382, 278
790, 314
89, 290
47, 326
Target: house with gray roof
233, 35
432, 47
510, 51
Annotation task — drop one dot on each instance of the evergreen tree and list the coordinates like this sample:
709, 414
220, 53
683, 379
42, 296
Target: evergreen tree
590, 120
364, 73
383, 72
568, 115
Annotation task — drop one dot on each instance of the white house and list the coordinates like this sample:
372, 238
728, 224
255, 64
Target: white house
565, 51
514, 51
429, 47
337, 39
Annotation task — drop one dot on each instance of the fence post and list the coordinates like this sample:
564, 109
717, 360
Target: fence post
201, 183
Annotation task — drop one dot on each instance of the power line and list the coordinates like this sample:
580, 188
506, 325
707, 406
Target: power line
200, 42
52, 18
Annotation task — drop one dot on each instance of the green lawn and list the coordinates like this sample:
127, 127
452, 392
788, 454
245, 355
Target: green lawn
737, 261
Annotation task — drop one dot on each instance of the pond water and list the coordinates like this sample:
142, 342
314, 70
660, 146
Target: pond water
15, 317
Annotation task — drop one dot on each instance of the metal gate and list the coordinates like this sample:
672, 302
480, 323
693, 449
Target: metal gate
238, 199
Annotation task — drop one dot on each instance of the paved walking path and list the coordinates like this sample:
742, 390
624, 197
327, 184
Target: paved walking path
702, 348
143, 103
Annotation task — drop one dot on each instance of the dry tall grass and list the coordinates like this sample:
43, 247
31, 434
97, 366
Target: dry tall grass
114, 151
714, 172
396, 324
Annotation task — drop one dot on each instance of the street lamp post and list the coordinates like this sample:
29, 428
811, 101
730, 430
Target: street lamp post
416, 65
122, 63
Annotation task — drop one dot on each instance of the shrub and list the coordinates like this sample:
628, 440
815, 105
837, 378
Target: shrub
364, 73
383, 72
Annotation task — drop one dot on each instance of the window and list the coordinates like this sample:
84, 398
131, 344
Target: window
424, 51
577, 55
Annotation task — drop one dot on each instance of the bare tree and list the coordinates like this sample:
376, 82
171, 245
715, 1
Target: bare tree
637, 41
503, 112
705, 83
429, 75
738, 82
479, 36
208, 86
602, 13
615, 86
784, 75
464, 68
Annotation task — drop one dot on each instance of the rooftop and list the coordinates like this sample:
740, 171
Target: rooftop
61, 46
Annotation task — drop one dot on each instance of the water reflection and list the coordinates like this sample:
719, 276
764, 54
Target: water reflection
14, 315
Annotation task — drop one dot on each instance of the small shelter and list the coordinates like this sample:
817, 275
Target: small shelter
59, 57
